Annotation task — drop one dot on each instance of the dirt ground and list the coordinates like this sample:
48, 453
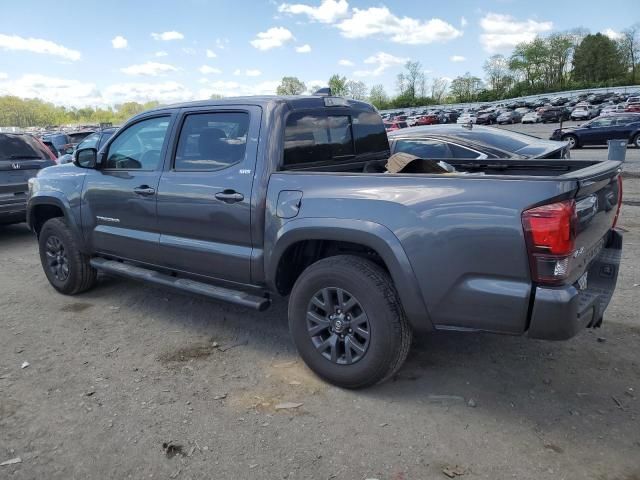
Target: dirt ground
131, 381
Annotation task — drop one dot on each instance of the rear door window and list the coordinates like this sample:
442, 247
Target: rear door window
212, 141
316, 137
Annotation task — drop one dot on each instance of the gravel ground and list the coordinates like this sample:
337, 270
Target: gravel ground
119, 371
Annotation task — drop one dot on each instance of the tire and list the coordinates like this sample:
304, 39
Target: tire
70, 271
573, 141
636, 140
315, 296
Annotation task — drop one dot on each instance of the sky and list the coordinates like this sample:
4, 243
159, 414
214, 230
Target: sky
89, 53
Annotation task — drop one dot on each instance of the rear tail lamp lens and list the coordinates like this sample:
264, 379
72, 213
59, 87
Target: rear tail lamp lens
550, 231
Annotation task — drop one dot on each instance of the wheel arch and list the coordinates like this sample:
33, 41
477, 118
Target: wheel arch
44, 207
299, 243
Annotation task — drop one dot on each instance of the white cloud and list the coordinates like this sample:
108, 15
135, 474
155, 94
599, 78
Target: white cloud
189, 51
149, 69
221, 43
211, 53
60, 91
206, 70
406, 30
327, 12
346, 63
119, 42
612, 34
164, 92
37, 45
161, 53
463, 22
3, 76
232, 88
166, 36
382, 62
457, 58
237, 72
252, 72
272, 38
503, 31
306, 48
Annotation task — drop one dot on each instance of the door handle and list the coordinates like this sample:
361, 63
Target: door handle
229, 196
144, 190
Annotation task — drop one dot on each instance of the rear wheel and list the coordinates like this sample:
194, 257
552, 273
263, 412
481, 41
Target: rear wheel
347, 322
636, 140
66, 267
573, 141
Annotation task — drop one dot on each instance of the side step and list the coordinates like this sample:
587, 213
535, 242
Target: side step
186, 285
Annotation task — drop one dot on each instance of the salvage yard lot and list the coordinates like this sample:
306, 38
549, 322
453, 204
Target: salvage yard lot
121, 370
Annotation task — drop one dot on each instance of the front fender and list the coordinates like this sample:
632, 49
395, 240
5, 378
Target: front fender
370, 234
57, 199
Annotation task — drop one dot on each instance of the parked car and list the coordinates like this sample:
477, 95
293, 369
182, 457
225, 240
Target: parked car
467, 117
454, 141
217, 199
95, 140
582, 113
531, 117
76, 137
633, 107
22, 156
391, 126
509, 116
59, 143
486, 117
554, 114
430, 119
612, 109
602, 129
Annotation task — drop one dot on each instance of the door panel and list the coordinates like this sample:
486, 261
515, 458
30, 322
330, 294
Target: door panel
119, 199
204, 199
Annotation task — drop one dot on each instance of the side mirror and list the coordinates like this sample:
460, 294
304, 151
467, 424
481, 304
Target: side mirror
86, 158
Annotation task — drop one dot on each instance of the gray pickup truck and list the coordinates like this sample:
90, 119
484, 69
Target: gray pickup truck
244, 198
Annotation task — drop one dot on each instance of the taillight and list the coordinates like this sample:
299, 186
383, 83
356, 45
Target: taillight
550, 231
615, 219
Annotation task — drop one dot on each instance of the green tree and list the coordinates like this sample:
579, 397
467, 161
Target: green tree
291, 86
439, 88
356, 90
378, 97
465, 88
411, 83
629, 46
338, 85
498, 75
597, 60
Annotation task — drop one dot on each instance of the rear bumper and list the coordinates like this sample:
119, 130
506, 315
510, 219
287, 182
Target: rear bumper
561, 313
13, 212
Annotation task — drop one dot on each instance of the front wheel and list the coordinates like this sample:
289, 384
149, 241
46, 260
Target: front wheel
66, 267
347, 322
636, 140
573, 141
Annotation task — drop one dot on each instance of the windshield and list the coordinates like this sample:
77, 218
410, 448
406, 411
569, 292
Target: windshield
21, 147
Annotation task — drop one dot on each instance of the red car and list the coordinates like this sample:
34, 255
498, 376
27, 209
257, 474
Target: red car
633, 107
391, 126
427, 120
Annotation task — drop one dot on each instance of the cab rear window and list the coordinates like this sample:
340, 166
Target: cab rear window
319, 137
20, 147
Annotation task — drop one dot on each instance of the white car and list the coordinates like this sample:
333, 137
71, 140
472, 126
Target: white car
467, 118
619, 108
581, 113
531, 117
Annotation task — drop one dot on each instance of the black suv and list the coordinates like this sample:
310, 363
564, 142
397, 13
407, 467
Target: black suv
554, 114
21, 157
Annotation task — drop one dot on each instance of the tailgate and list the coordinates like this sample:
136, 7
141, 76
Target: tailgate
14, 176
597, 199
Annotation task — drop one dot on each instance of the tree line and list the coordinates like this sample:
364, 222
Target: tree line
19, 112
561, 61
